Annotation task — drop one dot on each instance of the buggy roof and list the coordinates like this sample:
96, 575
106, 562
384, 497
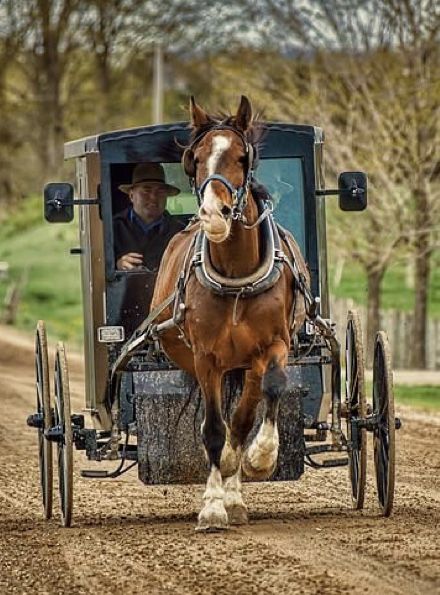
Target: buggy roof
161, 142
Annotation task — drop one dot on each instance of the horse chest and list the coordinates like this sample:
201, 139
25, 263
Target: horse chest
235, 337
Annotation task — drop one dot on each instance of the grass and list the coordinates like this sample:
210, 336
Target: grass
38, 255
422, 397
396, 294
426, 397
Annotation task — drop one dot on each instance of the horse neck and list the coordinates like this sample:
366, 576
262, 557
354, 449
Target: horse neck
239, 255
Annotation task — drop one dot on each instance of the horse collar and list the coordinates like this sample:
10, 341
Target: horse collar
261, 280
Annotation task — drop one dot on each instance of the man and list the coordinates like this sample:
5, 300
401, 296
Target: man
142, 231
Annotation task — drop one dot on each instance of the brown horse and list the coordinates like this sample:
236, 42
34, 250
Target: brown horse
238, 306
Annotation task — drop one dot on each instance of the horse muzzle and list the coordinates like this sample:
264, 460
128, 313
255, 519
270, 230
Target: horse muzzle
215, 226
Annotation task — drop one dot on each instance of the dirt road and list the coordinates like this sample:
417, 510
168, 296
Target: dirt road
126, 538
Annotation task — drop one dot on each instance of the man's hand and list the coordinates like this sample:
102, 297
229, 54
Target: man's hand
129, 261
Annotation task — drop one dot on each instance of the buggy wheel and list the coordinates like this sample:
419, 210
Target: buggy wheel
65, 442
384, 427
356, 408
45, 413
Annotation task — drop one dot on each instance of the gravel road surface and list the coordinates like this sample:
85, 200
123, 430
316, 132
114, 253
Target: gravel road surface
303, 537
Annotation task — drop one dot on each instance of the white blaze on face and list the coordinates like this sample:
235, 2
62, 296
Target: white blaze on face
220, 144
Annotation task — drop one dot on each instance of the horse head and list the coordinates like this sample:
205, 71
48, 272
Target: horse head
219, 161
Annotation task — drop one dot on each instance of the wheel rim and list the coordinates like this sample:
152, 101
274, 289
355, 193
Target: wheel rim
356, 407
64, 446
44, 409
384, 432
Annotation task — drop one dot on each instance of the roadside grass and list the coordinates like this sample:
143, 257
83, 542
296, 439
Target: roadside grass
421, 397
39, 256
425, 397
396, 294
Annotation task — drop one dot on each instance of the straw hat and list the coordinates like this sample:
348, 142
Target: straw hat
149, 173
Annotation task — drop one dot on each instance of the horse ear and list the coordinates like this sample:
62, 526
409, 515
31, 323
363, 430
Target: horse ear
198, 116
188, 163
244, 114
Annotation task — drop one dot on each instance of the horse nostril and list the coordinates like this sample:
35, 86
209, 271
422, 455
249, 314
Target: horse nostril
226, 211
202, 211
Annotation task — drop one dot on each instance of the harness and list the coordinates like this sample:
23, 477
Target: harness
197, 259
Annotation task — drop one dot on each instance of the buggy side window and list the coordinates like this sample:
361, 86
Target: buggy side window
141, 227
184, 203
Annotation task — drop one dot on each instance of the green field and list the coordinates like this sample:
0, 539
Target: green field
422, 397
395, 291
38, 254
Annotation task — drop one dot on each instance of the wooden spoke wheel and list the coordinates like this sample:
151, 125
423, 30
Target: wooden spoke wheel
45, 414
65, 442
384, 427
356, 408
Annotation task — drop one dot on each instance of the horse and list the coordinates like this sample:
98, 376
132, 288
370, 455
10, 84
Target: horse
237, 306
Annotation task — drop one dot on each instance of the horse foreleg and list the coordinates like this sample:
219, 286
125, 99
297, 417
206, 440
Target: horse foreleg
213, 514
260, 459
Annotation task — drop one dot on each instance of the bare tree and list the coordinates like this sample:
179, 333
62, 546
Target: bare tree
415, 28
388, 119
51, 33
11, 36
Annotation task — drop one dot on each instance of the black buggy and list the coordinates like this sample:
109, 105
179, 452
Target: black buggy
142, 409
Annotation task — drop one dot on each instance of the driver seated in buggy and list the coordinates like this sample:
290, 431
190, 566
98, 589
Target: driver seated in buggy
142, 231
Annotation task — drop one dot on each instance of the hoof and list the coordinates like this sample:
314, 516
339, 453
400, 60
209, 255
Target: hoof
213, 517
238, 515
210, 528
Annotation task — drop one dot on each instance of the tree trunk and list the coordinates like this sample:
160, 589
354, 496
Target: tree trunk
374, 282
422, 273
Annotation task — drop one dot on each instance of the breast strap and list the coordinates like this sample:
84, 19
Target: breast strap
261, 280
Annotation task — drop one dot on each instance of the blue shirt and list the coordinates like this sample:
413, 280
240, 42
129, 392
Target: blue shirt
133, 217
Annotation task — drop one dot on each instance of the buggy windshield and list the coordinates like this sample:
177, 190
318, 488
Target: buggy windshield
283, 177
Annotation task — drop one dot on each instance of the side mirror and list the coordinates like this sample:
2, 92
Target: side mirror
352, 187
58, 202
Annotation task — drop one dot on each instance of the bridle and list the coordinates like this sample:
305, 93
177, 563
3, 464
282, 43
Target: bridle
239, 195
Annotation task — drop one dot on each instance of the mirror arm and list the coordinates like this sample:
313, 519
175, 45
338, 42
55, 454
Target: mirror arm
329, 192
59, 204
335, 191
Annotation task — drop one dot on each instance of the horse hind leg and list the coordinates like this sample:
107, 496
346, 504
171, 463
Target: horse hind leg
230, 457
260, 458
235, 507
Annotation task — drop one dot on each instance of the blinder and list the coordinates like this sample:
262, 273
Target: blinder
188, 162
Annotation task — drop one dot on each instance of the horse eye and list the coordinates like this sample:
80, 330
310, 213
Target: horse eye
226, 211
242, 159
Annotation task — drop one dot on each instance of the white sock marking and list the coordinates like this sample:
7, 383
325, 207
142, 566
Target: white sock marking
233, 496
263, 451
213, 513
230, 458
